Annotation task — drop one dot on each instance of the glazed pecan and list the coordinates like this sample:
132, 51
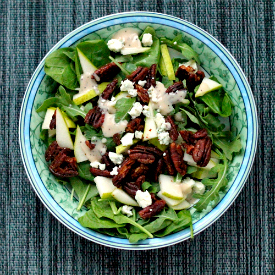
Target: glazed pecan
106, 72
159, 169
189, 148
177, 158
142, 169
98, 172
131, 188
142, 94
95, 117
153, 196
187, 136
123, 171
64, 166
175, 87
202, 133
192, 79
139, 74
133, 125
169, 163
106, 160
53, 121
143, 157
89, 144
140, 180
107, 93
116, 139
151, 150
152, 210
202, 151
173, 132
53, 150
151, 77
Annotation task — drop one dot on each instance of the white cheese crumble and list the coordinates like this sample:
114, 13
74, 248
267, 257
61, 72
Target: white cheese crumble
126, 85
161, 124
136, 110
164, 138
147, 40
114, 172
198, 187
146, 111
153, 94
142, 82
116, 158
179, 117
138, 134
127, 210
98, 165
132, 92
143, 198
127, 139
115, 45
104, 140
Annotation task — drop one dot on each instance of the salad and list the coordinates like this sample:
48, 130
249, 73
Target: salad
138, 131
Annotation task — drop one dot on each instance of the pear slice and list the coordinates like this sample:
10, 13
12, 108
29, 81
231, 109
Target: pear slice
169, 188
170, 202
52, 132
63, 136
86, 64
189, 159
123, 197
126, 51
150, 128
207, 86
183, 205
48, 118
155, 142
79, 141
120, 149
104, 186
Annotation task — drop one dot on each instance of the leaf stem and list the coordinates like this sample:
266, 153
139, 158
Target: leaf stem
118, 64
139, 227
84, 197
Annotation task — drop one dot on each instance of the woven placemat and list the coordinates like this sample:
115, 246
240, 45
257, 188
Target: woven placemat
33, 242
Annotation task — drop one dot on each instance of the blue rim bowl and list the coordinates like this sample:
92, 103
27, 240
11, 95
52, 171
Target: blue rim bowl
251, 127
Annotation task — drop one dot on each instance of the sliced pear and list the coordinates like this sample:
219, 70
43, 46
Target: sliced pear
207, 86
203, 173
63, 136
183, 205
79, 141
137, 50
120, 149
155, 142
167, 62
51, 132
104, 186
86, 64
169, 188
123, 197
189, 159
48, 118
68, 121
170, 202
121, 95
150, 129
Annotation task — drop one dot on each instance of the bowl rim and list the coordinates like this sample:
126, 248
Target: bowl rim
251, 144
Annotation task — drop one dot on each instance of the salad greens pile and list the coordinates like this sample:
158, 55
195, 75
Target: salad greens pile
210, 111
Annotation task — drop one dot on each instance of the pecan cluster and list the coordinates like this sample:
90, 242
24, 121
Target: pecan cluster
135, 125
192, 79
106, 72
123, 172
144, 154
62, 165
95, 117
198, 145
107, 93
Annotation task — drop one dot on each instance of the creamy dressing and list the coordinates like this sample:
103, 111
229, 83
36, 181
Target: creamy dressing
95, 154
129, 36
110, 127
164, 101
107, 105
87, 84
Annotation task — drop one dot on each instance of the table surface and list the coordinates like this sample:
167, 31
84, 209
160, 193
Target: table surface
240, 242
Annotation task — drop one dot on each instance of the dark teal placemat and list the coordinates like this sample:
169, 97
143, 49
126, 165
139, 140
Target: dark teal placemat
33, 242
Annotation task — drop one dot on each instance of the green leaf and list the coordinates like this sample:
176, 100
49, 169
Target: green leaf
73, 111
151, 187
60, 67
191, 116
134, 238
83, 169
88, 107
119, 65
228, 147
123, 106
191, 169
166, 81
50, 102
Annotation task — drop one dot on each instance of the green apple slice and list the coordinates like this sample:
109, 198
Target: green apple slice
137, 50
123, 197
63, 136
169, 188
79, 141
86, 64
170, 202
48, 118
207, 86
104, 186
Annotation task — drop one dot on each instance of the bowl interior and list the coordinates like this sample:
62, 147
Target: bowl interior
57, 197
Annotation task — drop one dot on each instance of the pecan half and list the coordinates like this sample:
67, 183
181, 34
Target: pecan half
131, 188
177, 158
142, 94
202, 133
154, 150
123, 171
140, 180
106, 160
173, 132
187, 136
53, 150
158, 169
202, 151
139, 74
98, 172
106, 72
169, 163
142, 169
151, 77
152, 209
175, 87
133, 125
107, 93
192, 79
116, 139
141, 157
95, 117
53, 121
64, 166
89, 144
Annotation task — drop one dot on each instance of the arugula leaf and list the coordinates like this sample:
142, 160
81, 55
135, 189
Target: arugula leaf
73, 111
227, 147
83, 169
217, 184
166, 81
83, 190
151, 187
59, 65
191, 116
120, 66
123, 106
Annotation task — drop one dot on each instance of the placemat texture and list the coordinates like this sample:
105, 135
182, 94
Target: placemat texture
33, 242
